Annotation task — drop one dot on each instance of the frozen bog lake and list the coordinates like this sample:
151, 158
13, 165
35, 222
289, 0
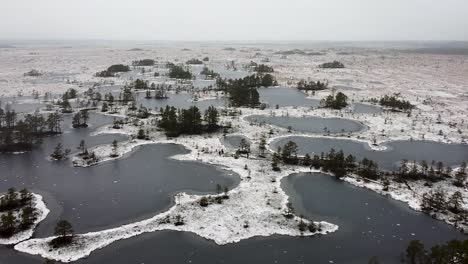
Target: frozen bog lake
310, 124
370, 225
143, 182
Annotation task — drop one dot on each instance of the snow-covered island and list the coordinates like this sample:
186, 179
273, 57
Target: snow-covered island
29, 212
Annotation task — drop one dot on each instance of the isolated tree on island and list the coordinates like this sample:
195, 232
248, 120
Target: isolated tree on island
336, 102
59, 153
80, 119
115, 146
64, 232
82, 147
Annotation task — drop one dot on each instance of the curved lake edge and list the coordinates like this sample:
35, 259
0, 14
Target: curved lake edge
366, 143
309, 192
363, 127
187, 205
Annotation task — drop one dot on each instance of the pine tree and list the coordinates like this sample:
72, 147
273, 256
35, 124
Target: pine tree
262, 146
115, 147
460, 176
211, 118
141, 134
275, 162
64, 234
82, 147
105, 107
455, 202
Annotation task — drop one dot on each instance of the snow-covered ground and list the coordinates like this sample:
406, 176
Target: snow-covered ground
436, 84
41, 210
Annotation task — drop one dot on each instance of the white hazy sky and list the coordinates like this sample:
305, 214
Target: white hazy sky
235, 19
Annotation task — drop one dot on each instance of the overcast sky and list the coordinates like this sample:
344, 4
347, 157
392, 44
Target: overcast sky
235, 19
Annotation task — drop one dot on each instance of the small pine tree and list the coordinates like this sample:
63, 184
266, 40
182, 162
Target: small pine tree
105, 107
141, 134
115, 149
64, 234
262, 146
82, 147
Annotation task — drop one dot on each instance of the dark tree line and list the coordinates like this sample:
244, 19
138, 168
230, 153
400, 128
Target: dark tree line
312, 86
453, 252
112, 70
10, 222
188, 121
339, 164
430, 172
332, 65
334, 161
394, 103
145, 62
262, 68
20, 135
194, 61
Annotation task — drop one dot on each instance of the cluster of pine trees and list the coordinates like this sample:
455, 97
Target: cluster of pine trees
243, 91
80, 119
12, 202
194, 61
178, 72
455, 251
334, 161
144, 62
332, 65
262, 68
69, 94
188, 121
112, 70
439, 201
20, 135
339, 101
433, 172
209, 73
394, 103
140, 84
312, 85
